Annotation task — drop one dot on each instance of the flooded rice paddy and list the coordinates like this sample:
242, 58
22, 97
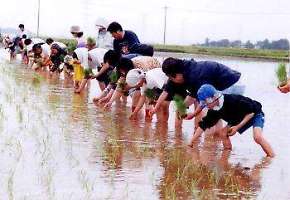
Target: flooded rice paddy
55, 144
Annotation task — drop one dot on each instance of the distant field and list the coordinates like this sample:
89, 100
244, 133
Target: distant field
277, 55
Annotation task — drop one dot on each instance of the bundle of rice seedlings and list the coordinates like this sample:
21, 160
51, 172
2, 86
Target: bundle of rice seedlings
151, 95
71, 46
88, 72
281, 74
113, 77
180, 106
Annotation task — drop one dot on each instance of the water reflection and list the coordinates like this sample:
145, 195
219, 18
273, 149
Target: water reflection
71, 149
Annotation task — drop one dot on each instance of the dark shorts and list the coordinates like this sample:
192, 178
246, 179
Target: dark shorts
257, 121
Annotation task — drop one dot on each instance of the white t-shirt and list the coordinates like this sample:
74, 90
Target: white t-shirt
60, 44
155, 78
21, 33
45, 49
37, 40
96, 57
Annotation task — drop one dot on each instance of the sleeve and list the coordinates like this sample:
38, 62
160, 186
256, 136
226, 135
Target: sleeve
209, 120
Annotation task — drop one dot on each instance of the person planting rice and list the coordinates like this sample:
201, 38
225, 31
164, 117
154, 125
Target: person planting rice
110, 60
151, 84
145, 63
68, 66
95, 55
80, 63
57, 57
40, 59
50, 42
186, 76
106, 75
127, 42
238, 111
78, 35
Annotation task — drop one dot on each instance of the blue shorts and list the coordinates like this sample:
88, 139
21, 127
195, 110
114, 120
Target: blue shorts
257, 121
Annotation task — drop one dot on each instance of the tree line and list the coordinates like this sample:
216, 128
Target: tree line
281, 44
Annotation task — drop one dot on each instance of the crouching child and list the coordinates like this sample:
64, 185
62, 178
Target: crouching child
238, 111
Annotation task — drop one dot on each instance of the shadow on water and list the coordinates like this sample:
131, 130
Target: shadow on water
64, 147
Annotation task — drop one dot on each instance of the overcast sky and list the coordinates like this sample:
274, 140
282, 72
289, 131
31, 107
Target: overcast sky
188, 21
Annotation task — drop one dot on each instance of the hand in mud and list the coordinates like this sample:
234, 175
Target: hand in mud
284, 89
232, 130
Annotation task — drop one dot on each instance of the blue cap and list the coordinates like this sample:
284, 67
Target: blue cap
206, 91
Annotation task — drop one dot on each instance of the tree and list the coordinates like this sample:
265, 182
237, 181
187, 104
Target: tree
249, 45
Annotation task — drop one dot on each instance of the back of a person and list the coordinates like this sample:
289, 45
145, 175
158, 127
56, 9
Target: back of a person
155, 78
146, 63
236, 107
202, 72
96, 56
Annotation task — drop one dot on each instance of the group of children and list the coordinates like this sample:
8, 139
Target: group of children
129, 69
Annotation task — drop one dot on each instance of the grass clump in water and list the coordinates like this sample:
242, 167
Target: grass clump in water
180, 106
281, 74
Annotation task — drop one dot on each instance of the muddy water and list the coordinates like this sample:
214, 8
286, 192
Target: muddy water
55, 144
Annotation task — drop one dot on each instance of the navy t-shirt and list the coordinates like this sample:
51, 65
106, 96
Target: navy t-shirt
130, 39
196, 74
235, 108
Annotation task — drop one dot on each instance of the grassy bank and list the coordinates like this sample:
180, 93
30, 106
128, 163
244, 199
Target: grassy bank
278, 55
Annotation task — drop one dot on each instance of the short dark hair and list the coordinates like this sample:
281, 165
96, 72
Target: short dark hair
172, 66
80, 34
27, 41
49, 41
125, 64
21, 26
36, 46
112, 57
114, 27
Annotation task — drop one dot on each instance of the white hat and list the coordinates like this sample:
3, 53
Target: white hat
134, 76
75, 29
101, 22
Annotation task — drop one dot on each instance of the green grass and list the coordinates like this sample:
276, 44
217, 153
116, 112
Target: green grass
279, 55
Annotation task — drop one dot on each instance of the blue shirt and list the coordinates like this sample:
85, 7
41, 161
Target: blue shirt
196, 74
130, 39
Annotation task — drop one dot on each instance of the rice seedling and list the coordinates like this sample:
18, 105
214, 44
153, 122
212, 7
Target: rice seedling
114, 77
71, 46
180, 106
281, 74
88, 72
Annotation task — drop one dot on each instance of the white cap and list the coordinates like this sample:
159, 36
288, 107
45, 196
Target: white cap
134, 76
101, 22
75, 29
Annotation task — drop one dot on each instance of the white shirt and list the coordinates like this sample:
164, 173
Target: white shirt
60, 44
96, 57
155, 78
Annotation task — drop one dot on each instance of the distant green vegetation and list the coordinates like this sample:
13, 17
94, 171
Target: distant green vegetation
279, 55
